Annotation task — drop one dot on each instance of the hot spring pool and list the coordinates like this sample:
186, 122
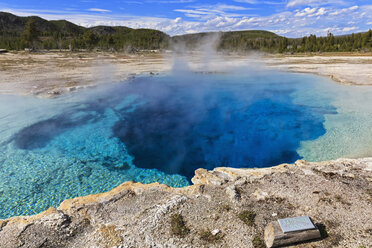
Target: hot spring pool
162, 128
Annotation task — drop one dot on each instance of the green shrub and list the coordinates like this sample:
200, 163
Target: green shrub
207, 236
178, 226
247, 217
257, 242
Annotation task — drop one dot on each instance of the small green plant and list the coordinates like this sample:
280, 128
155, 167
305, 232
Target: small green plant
341, 200
257, 242
208, 236
239, 190
325, 199
278, 200
247, 217
178, 226
369, 192
226, 207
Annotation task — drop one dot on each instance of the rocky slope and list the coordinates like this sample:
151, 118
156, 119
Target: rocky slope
224, 208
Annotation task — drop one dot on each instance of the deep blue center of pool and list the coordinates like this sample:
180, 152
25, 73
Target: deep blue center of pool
178, 126
178, 131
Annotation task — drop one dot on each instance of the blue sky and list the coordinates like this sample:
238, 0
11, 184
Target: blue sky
291, 18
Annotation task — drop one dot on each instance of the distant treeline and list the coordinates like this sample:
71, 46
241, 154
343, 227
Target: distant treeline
18, 33
269, 42
360, 42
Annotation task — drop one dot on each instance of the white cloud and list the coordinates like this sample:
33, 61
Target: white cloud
306, 11
310, 12
344, 10
228, 7
295, 3
210, 11
321, 11
348, 29
192, 11
99, 10
193, 15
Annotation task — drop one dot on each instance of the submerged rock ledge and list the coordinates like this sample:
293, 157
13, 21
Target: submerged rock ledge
336, 194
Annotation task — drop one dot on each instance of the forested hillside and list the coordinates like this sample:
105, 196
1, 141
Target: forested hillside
18, 33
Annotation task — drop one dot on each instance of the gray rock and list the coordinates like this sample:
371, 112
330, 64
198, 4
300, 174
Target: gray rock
233, 193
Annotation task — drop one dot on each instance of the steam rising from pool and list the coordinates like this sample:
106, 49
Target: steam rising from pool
161, 128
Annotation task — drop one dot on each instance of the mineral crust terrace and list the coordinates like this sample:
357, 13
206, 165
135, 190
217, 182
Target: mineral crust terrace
211, 213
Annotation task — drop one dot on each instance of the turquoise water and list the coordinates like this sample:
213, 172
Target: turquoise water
162, 128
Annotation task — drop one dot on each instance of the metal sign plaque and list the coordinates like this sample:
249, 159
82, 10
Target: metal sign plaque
296, 224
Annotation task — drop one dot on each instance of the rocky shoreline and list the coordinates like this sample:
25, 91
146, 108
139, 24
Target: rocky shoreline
212, 212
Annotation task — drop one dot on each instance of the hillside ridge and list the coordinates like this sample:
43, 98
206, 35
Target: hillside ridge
18, 33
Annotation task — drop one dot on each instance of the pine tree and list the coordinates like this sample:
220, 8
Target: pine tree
90, 39
30, 36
